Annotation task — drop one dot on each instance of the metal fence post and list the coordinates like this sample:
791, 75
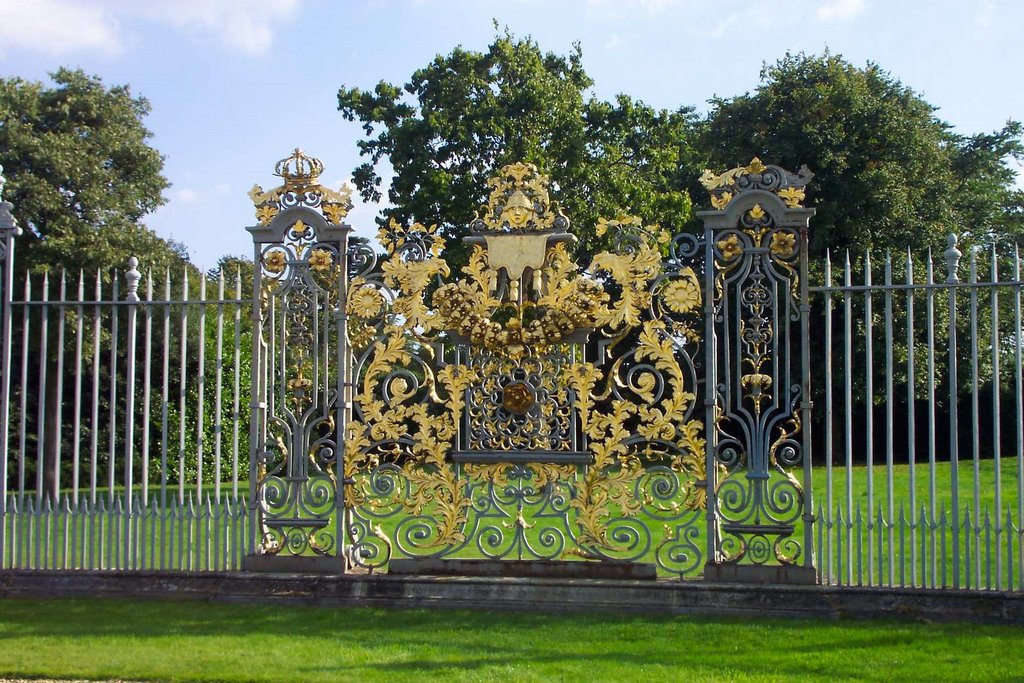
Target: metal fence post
343, 409
805, 405
8, 230
710, 397
257, 402
132, 278
952, 256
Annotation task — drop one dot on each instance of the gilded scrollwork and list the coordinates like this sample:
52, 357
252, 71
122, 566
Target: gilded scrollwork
528, 406
789, 187
480, 420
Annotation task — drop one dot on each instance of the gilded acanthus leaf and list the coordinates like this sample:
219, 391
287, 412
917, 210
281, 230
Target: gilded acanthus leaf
792, 196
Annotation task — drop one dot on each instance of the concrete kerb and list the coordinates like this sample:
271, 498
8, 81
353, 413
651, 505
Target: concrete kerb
538, 595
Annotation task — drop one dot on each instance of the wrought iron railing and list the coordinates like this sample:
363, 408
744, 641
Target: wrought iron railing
125, 383
130, 433
920, 410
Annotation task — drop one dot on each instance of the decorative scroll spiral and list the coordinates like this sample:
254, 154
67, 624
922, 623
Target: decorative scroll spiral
495, 362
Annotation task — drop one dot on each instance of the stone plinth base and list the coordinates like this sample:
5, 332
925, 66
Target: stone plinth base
765, 574
294, 564
531, 595
538, 569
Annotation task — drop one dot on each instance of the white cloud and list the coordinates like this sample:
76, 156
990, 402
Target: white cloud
985, 16
614, 41
756, 17
186, 195
193, 195
724, 25
59, 27
840, 9
243, 25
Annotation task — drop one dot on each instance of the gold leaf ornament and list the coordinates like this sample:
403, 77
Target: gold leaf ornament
275, 262
756, 166
334, 212
682, 295
720, 200
711, 181
792, 196
783, 244
366, 302
730, 246
320, 260
266, 213
258, 196
631, 271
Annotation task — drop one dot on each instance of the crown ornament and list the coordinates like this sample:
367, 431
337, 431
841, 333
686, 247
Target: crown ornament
299, 170
301, 175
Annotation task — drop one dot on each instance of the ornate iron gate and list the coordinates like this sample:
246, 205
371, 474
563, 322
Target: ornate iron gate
526, 408
758, 363
299, 363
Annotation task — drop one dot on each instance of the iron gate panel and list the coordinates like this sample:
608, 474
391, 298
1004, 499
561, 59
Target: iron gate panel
525, 407
299, 360
523, 410
759, 369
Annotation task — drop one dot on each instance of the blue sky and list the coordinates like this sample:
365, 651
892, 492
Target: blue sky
236, 84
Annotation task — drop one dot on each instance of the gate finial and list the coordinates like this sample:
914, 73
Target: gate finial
952, 256
7, 221
301, 174
299, 171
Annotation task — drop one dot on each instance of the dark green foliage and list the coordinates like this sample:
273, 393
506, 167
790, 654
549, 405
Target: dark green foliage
889, 173
236, 270
991, 206
80, 174
466, 114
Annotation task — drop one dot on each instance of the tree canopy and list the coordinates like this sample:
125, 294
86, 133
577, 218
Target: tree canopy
81, 174
466, 114
888, 172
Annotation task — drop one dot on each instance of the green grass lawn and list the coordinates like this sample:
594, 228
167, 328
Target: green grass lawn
192, 641
856, 553
1008, 483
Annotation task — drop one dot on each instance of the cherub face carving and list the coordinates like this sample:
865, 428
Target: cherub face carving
518, 210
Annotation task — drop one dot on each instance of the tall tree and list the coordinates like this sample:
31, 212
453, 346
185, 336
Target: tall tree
81, 174
889, 173
990, 205
466, 114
